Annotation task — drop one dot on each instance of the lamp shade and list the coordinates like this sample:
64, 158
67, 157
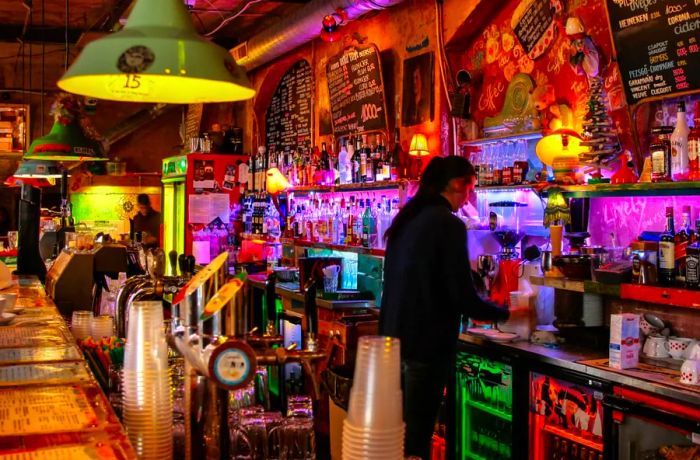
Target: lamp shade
65, 142
157, 57
276, 182
419, 146
557, 209
560, 143
38, 169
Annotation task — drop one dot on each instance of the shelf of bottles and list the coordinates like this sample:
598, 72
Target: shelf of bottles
566, 445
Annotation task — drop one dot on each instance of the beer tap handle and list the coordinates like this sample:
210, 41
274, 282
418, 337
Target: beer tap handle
190, 264
182, 262
172, 258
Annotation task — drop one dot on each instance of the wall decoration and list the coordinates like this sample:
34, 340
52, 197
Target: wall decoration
533, 22
519, 112
417, 92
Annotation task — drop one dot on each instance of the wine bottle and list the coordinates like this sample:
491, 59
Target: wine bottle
667, 256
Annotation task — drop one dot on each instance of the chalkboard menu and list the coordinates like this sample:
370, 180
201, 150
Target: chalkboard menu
657, 46
356, 91
533, 24
288, 120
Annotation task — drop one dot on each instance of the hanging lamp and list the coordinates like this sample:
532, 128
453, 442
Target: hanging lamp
157, 57
38, 169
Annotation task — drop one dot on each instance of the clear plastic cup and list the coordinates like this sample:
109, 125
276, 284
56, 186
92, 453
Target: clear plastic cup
381, 412
81, 324
102, 326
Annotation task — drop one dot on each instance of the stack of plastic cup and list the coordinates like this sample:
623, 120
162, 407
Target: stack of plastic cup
374, 427
102, 326
81, 324
147, 410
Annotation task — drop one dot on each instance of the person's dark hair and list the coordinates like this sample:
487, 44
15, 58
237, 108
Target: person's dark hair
143, 199
436, 176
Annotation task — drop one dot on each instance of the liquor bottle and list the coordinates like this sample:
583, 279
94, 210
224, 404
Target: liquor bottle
692, 261
369, 163
667, 257
386, 163
682, 241
694, 148
679, 145
325, 166
660, 152
378, 162
369, 226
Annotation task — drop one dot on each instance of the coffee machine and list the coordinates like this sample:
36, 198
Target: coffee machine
504, 223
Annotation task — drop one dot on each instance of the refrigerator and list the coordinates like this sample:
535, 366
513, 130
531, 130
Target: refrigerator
567, 416
198, 189
484, 389
646, 426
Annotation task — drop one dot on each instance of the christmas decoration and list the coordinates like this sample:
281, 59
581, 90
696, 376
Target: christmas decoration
598, 132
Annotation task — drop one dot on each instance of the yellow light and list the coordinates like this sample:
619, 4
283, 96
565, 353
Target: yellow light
276, 182
561, 143
157, 57
419, 146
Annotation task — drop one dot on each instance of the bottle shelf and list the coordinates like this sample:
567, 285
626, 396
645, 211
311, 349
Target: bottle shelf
335, 247
527, 135
562, 433
489, 410
636, 189
676, 297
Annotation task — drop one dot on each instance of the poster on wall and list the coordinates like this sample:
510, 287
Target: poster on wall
204, 175
418, 87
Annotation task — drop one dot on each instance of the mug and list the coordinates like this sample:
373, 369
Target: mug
656, 346
677, 346
646, 327
693, 351
690, 372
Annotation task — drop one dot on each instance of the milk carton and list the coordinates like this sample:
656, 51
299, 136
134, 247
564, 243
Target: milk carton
624, 341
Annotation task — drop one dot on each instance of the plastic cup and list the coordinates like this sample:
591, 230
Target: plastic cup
102, 326
81, 324
380, 412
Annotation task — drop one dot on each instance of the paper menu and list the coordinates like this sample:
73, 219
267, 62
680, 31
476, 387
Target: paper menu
41, 354
18, 337
63, 453
43, 373
25, 411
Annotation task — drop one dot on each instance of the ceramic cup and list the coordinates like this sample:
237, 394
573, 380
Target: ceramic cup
693, 351
646, 327
656, 346
677, 346
690, 372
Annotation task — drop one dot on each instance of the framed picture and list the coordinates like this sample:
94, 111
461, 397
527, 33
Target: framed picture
418, 86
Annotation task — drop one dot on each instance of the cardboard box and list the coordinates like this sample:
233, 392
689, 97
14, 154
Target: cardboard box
624, 341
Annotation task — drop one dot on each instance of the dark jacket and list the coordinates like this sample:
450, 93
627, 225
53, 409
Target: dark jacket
428, 285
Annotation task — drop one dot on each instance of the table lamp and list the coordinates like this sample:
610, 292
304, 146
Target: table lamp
419, 149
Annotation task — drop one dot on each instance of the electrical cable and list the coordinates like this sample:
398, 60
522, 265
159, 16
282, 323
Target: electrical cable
231, 18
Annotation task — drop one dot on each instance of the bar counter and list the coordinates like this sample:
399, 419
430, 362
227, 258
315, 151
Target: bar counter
50, 404
660, 381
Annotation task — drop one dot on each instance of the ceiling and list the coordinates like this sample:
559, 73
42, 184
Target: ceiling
41, 24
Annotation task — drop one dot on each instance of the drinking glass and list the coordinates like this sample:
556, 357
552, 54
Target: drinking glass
12, 237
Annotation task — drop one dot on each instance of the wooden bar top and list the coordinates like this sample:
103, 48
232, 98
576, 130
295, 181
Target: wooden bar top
50, 404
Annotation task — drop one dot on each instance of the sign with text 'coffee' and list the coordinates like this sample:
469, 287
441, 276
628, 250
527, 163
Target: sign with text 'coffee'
288, 120
356, 91
657, 46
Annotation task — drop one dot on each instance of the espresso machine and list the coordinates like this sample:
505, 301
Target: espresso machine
504, 223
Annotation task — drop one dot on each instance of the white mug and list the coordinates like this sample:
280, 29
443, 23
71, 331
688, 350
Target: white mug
693, 351
690, 372
656, 346
677, 346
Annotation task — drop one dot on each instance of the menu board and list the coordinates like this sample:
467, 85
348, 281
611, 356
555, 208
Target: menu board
533, 24
46, 373
356, 91
288, 119
42, 354
63, 453
15, 337
657, 47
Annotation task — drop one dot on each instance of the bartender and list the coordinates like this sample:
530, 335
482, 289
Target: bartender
147, 222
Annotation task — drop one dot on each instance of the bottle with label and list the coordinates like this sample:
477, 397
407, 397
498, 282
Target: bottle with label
692, 261
679, 145
667, 252
683, 238
660, 152
396, 154
694, 148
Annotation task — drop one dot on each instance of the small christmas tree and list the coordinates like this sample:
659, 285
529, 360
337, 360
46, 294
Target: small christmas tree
599, 134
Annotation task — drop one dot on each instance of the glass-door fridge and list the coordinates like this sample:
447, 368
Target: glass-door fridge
649, 427
567, 416
482, 417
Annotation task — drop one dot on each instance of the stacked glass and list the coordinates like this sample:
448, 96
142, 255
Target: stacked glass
374, 426
81, 324
102, 326
146, 396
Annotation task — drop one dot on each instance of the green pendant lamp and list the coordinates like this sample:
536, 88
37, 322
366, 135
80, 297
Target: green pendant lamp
157, 57
38, 169
65, 142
